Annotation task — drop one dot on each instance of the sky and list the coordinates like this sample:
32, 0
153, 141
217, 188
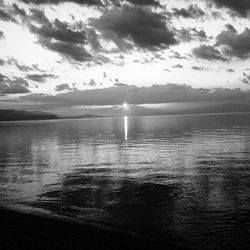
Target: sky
64, 55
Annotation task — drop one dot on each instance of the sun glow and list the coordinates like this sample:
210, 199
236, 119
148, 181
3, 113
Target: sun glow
125, 105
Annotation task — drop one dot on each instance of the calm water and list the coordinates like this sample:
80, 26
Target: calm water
181, 177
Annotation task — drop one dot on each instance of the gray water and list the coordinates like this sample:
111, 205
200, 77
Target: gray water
179, 177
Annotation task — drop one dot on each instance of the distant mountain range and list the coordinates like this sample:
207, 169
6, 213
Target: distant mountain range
86, 116
222, 108
17, 115
134, 110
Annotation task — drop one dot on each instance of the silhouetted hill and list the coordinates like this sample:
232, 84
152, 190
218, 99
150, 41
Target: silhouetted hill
17, 115
81, 116
136, 110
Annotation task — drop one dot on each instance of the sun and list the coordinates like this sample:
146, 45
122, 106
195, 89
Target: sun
125, 105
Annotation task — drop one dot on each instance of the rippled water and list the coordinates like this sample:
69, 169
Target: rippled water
181, 177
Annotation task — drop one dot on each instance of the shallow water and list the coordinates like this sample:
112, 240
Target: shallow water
180, 177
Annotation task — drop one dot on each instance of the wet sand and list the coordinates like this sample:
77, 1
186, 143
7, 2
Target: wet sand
28, 231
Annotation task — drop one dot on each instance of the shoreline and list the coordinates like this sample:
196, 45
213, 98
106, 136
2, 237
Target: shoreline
28, 231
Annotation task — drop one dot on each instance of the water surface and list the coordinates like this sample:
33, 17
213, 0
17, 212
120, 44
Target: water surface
181, 177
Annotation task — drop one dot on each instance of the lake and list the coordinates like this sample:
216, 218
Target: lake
178, 177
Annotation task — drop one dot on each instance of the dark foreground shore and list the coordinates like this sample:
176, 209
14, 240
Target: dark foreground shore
27, 231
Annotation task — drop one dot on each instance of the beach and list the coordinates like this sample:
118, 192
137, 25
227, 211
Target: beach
28, 231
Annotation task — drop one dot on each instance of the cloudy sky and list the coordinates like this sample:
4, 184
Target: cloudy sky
64, 54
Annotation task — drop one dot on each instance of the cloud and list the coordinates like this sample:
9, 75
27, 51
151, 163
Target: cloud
4, 16
130, 25
2, 35
119, 84
193, 11
189, 34
59, 31
241, 7
63, 86
177, 66
199, 68
138, 95
81, 2
145, 2
17, 85
19, 11
208, 52
234, 43
68, 50
93, 39
216, 15
40, 77
246, 78
38, 16
230, 70
231, 28
92, 83
60, 37
95, 2
3, 78
21, 67
177, 55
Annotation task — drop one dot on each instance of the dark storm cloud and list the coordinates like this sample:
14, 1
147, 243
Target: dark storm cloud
193, 11
17, 85
60, 37
208, 52
138, 95
142, 26
2, 35
40, 77
63, 86
81, 2
5, 16
177, 66
239, 6
235, 44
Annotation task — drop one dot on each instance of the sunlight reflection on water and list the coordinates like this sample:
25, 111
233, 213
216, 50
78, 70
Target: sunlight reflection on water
126, 128
185, 177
